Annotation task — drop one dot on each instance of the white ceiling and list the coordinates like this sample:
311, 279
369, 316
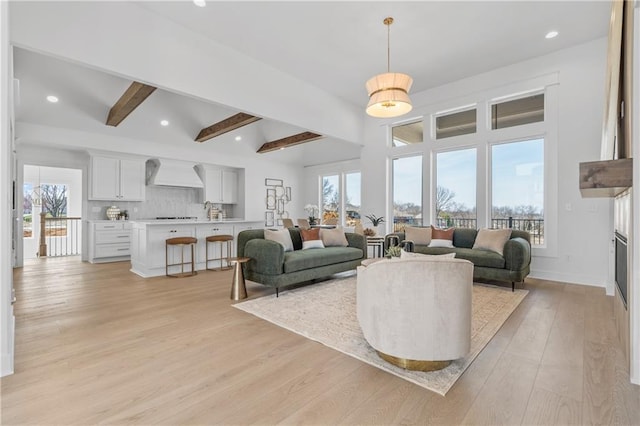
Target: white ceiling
335, 46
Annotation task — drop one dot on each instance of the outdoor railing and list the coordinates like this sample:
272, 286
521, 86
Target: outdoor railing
59, 236
535, 227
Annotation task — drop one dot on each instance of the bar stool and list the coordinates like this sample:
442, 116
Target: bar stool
182, 242
223, 240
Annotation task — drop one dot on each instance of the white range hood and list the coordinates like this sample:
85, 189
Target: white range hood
165, 172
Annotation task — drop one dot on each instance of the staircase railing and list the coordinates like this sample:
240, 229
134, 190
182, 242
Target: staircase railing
59, 236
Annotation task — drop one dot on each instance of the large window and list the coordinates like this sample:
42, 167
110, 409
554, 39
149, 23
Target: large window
407, 134
330, 199
455, 124
352, 188
53, 200
407, 192
455, 197
517, 112
517, 187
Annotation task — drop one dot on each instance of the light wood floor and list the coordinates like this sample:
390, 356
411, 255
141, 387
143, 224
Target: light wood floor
97, 344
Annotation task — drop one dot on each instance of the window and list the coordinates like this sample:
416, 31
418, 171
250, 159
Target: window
517, 187
330, 199
455, 124
455, 198
27, 211
352, 188
407, 192
407, 134
517, 112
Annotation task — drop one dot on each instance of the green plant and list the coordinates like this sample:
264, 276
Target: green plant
375, 221
393, 251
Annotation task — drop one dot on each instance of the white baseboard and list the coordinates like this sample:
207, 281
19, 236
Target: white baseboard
587, 280
6, 360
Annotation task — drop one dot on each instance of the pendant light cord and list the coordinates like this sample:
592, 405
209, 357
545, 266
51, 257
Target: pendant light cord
388, 21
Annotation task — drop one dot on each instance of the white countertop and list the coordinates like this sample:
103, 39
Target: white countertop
188, 221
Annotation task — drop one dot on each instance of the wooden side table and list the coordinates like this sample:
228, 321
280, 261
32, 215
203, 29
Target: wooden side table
238, 287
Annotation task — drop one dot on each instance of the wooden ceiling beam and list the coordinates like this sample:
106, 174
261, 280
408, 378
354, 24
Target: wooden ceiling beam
226, 125
298, 139
130, 100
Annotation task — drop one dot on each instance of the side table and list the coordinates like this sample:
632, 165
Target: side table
238, 288
376, 243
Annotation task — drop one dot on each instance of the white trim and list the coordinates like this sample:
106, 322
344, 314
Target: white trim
565, 278
7, 319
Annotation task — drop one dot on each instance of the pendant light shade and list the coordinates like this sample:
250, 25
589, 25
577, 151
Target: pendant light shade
389, 95
389, 92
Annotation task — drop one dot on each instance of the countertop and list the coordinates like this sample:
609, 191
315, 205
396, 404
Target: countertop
230, 220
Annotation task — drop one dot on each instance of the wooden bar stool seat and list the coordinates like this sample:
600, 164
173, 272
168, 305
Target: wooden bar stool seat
223, 240
181, 242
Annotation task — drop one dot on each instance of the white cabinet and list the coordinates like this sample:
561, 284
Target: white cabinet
156, 238
220, 186
116, 179
202, 232
109, 241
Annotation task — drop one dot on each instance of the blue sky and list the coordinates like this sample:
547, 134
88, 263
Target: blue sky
407, 180
517, 175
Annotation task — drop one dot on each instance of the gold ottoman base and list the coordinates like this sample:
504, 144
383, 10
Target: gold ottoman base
412, 364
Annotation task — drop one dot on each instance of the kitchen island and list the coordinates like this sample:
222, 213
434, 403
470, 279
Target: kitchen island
148, 241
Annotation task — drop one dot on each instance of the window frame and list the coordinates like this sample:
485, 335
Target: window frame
482, 140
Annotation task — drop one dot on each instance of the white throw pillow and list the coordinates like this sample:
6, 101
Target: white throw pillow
441, 237
492, 239
441, 243
312, 244
420, 236
333, 237
410, 255
281, 236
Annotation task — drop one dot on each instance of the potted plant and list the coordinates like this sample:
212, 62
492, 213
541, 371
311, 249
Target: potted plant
375, 220
311, 209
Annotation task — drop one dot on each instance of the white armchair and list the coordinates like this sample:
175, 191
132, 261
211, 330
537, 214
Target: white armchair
416, 313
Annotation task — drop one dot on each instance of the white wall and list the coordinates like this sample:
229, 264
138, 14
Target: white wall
7, 320
583, 232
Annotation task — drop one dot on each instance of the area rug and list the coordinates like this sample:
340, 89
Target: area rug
326, 312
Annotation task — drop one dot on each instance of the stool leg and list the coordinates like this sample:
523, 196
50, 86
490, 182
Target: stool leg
166, 259
193, 264
182, 260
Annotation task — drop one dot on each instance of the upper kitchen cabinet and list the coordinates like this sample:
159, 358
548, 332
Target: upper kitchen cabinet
116, 179
220, 185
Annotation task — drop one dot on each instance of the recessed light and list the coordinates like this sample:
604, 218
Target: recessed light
281, 148
238, 138
551, 34
200, 3
52, 99
164, 123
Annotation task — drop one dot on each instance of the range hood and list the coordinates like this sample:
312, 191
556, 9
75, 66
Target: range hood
165, 172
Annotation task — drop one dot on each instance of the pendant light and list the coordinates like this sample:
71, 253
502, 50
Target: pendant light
389, 92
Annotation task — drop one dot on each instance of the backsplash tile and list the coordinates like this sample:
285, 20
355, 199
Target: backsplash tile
160, 201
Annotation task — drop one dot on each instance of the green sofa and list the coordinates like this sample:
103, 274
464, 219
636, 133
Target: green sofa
272, 266
512, 267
